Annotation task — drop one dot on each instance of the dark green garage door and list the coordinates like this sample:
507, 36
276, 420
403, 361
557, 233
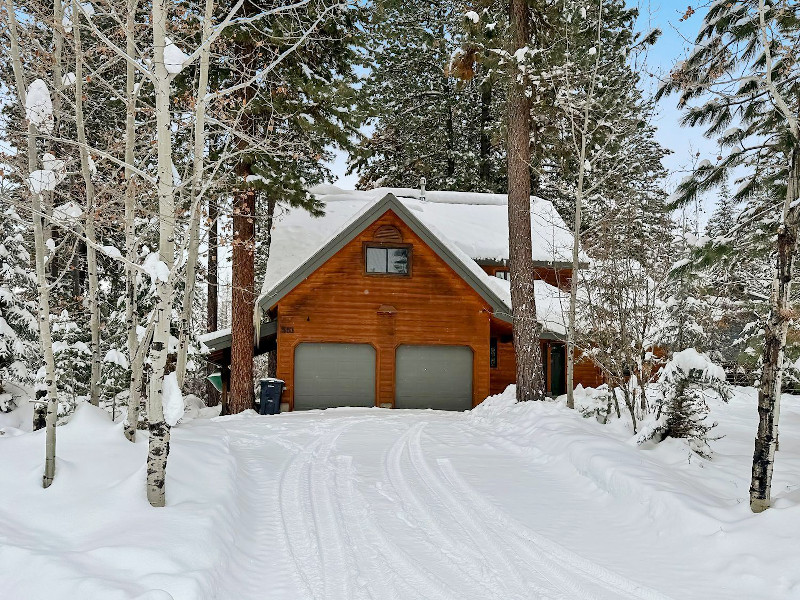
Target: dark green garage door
437, 377
328, 375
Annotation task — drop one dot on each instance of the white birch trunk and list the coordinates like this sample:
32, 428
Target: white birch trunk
583, 133
781, 311
197, 174
58, 47
42, 288
91, 238
158, 447
775, 331
131, 314
573, 284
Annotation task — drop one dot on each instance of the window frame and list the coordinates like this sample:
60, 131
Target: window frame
388, 246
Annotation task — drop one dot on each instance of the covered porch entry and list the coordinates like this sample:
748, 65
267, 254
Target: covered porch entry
503, 361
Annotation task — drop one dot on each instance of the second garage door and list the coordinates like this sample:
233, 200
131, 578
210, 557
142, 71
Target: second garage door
437, 377
328, 375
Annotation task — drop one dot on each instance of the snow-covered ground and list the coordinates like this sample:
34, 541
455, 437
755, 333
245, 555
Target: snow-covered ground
508, 501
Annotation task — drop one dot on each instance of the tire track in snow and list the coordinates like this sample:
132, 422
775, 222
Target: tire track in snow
336, 567
296, 529
546, 550
463, 557
246, 573
506, 559
309, 528
387, 556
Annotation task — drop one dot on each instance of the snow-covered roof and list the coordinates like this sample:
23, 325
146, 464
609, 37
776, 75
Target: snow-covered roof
474, 223
552, 303
213, 340
300, 242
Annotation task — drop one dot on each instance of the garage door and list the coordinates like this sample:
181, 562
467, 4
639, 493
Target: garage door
433, 377
327, 375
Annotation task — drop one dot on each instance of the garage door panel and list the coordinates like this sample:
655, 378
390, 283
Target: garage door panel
329, 375
437, 377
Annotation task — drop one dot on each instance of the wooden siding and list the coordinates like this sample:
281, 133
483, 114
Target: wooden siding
586, 372
559, 278
556, 277
493, 269
506, 371
338, 303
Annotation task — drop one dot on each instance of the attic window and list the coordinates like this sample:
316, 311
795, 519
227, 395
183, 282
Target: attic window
388, 233
387, 259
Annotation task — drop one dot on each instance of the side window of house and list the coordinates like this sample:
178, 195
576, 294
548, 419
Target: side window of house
502, 274
388, 260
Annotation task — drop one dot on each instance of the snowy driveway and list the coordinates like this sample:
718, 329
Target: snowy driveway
352, 504
505, 502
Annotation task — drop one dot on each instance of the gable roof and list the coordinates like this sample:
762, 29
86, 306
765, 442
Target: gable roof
475, 223
462, 264
550, 301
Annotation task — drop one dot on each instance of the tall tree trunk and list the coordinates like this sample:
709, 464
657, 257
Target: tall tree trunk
158, 443
241, 394
769, 392
451, 145
196, 206
242, 298
89, 229
58, 81
212, 294
530, 375
583, 133
573, 283
42, 288
272, 355
131, 314
486, 147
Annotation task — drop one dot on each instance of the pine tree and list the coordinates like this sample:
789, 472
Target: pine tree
17, 321
530, 377
745, 59
306, 102
436, 112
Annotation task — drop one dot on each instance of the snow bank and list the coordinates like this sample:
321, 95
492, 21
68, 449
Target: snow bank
350, 503
93, 535
668, 478
499, 402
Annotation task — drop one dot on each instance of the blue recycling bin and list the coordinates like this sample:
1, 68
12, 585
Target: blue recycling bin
270, 396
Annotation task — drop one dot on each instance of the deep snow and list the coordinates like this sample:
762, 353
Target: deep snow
507, 501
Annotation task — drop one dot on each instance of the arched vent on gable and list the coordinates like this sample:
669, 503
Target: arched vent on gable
388, 233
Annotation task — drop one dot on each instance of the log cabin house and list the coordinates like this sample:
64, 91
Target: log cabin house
401, 301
